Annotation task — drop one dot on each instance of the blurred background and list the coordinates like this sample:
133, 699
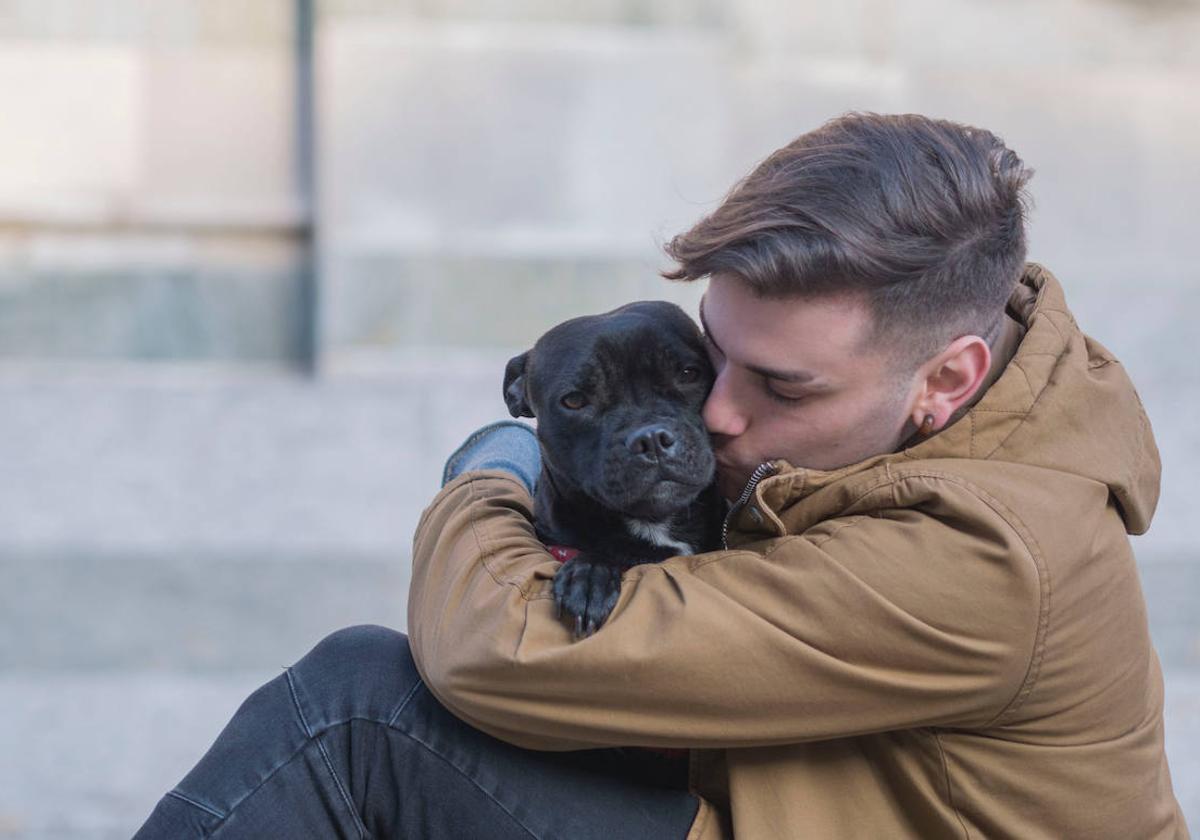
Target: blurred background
261, 264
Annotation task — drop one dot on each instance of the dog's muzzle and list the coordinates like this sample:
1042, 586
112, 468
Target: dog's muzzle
655, 470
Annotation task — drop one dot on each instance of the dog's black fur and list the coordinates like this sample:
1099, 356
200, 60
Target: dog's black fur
627, 468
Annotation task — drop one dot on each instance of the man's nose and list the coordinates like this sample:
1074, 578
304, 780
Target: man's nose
721, 414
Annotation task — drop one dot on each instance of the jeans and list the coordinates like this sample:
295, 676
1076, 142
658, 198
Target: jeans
349, 743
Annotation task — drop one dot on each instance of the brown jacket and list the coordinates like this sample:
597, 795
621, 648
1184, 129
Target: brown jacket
946, 641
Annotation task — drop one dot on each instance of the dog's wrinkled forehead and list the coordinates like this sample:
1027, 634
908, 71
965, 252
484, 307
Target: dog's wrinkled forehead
607, 355
606, 352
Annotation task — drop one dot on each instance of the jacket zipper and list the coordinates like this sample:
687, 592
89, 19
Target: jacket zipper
760, 472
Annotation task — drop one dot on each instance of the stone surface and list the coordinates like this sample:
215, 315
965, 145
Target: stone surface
180, 613
168, 545
559, 144
385, 307
269, 465
94, 752
113, 742
186, 312
148, 151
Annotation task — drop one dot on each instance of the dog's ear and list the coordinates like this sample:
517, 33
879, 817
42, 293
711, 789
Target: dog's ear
515, 395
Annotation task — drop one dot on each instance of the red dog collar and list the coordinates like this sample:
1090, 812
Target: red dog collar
562, 553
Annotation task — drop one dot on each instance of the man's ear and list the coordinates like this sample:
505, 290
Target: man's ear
951, 379
515, 395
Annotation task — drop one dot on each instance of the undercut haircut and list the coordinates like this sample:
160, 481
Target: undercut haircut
924, 218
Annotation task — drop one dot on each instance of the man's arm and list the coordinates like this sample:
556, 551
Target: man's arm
862, 624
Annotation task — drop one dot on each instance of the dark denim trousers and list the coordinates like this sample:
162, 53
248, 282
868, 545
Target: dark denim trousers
350, 743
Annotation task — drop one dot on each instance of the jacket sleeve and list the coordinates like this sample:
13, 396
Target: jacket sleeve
864, 624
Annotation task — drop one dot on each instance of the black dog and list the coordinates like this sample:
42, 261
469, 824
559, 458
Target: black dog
627, 468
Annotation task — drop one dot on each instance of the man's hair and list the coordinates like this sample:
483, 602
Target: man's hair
924, 217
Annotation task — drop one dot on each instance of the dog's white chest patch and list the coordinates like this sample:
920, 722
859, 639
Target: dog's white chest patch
657, 533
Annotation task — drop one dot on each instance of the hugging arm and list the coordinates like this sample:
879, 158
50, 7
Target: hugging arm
804, 637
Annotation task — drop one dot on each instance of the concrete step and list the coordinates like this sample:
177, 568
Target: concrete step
88, 755
186, 613
168, 543
271, 464
111, 744
117, 671
194, 613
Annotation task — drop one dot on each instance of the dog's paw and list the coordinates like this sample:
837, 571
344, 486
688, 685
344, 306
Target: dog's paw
586, 592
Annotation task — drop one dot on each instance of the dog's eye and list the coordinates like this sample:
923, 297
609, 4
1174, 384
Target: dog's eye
689, 374
574, 400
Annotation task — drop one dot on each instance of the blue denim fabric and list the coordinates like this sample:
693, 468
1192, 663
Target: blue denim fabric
503, 445
350, 743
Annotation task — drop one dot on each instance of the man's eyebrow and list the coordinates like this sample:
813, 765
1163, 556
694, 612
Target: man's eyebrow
797, 376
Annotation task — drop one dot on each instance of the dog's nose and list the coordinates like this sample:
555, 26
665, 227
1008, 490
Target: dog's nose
651, 442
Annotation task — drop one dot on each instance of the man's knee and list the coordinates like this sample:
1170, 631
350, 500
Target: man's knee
365, 671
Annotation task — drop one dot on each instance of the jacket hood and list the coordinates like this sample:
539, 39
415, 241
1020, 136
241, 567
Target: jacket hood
1062, 402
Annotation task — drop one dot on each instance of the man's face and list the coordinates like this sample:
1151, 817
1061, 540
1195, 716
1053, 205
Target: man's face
796, 379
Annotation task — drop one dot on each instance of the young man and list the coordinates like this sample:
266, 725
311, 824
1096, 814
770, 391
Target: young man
927, 620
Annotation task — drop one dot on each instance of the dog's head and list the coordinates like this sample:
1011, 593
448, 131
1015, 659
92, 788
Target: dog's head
618, 398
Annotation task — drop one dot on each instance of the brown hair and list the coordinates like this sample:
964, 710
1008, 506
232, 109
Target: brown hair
925, 217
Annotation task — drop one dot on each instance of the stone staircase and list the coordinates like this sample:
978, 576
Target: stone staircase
232, 524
